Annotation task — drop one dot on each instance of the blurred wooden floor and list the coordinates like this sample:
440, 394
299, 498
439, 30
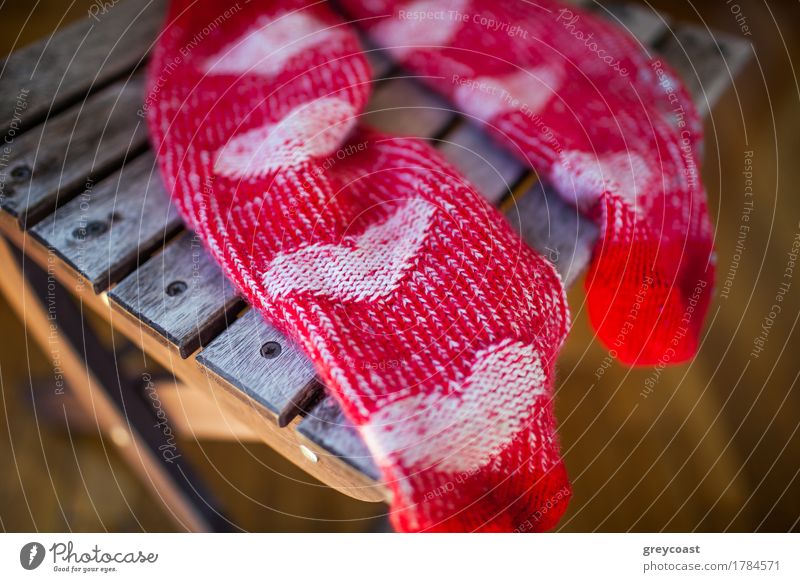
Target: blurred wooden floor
713, 447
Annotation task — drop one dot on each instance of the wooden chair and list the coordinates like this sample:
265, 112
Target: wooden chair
90, 224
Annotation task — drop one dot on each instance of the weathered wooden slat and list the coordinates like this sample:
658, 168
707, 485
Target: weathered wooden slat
402, 106
181, 294
706, 61
260, 361
328, 428
49, 164
492, 170
377, 57
643, 22
61, 70
554, 228
104, 231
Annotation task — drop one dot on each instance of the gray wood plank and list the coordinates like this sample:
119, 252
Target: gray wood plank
326, 426
377, 57
402, 106
555, 229
181, 294
53, 162
103, 232
642, 22
492, 170
260, 361
62, 69
706, 61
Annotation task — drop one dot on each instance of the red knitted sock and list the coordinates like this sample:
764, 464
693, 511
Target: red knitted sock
613, 131
428, 319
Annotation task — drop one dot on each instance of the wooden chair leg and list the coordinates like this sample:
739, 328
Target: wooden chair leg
47, 310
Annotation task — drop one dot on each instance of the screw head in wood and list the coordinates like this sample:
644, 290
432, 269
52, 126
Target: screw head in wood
92, 229
309, 454
271, 350
176, 288
120, 436
20, 173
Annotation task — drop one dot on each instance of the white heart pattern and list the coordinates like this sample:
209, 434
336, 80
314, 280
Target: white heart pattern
583, 176
266, 48
311, 130
465, 429
361, 268
421, 24
527, 91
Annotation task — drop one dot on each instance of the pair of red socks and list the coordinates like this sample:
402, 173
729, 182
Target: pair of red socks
431, 322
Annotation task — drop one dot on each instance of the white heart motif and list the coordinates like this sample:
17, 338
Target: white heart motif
266, 48
308, 131
465, 429
362, 268
421, 24
527, 91
581, 177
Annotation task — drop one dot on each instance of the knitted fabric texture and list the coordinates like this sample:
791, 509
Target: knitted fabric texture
613, 130
427, 318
